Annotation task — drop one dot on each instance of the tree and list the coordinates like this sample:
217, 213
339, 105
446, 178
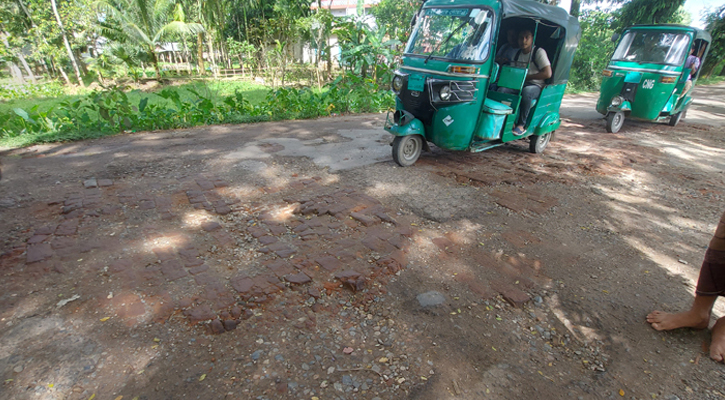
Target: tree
594, 50
67, 44
649, 12
395, 16
144, 23
716, 26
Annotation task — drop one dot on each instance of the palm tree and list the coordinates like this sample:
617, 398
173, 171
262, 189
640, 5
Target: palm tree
144, 22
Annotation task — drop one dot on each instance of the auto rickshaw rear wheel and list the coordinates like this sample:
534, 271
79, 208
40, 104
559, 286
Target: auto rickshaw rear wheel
537, 144
675, 119
615, 120
407, 149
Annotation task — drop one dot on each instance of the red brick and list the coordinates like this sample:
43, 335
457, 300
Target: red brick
511, 294
38, 252
242, 283
329, 263
223, 238
297, 279
204, 279
37, 239
172, 270
198, 269
163, 253
46, 230
277, 229
266, 240
375, 244
364, 219
280, 268
256, 231
199, 313
205, 184
210, 226
67, 227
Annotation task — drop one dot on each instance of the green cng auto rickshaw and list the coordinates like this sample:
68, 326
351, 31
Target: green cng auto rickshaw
451, 92
651, 74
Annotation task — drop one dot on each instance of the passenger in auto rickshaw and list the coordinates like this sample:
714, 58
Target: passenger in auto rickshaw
693, 64
507, 52
539, 70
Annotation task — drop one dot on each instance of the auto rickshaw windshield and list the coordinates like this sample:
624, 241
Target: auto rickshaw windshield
655, 47
452, 33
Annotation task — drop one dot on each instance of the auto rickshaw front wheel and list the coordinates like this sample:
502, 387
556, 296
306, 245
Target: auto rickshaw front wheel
407, 149
537, 144
615, 120
675, 119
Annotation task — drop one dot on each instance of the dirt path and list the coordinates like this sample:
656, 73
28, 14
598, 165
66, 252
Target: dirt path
295, 260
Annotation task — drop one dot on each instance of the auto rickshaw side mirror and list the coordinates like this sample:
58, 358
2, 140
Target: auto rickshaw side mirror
615, 37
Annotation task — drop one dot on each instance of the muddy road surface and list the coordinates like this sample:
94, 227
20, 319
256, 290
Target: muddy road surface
295, 260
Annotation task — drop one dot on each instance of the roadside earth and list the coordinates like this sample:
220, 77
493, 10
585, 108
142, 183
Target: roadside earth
296, 260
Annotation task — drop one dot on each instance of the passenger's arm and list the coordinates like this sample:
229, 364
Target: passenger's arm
545, 73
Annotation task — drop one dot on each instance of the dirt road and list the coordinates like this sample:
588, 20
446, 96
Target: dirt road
295, 260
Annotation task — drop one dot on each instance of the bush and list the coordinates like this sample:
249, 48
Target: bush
110, 111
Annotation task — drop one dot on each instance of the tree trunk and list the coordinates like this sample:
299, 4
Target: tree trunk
575, 7
155, 60
722, 72
26, 67
211, 55
14, 70
67, 44
16, 73
200, 52
81, 63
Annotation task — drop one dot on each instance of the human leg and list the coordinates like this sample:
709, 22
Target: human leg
528, 94
697, 317
717, 346
710, 285
686, 88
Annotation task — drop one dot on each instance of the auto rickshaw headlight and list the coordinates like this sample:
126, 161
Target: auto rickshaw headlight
668, 79
445, 93
397, 83
617, 101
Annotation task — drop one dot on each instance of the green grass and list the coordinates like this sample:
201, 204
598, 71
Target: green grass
216, 90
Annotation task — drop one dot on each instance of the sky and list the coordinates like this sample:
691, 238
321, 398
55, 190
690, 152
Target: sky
695, 7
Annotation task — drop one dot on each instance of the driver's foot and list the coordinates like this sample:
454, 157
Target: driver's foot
519, 130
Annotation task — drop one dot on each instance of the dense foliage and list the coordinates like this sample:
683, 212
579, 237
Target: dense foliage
112, 110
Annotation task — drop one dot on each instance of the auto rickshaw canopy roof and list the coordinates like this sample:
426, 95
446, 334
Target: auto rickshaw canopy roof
699, 33
536, 11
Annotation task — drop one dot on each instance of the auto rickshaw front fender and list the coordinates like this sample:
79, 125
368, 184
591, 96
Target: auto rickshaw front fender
549, 123
625, 106
404, 126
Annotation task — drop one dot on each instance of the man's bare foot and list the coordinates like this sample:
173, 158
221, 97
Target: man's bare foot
717, 346
663, 321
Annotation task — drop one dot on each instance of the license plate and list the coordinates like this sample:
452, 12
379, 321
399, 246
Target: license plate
416, 82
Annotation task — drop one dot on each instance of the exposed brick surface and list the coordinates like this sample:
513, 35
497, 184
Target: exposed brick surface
210, 226
242, 283
329, 263
298, 279
38, 252
173, 270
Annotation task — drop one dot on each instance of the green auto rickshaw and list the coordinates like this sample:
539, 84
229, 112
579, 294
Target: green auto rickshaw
651, 74
451, 91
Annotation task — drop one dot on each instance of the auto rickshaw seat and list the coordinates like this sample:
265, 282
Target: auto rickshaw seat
512, 77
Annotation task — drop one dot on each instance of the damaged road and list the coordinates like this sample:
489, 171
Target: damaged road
296, 260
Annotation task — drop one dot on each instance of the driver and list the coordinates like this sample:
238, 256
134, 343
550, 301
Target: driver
650, 51
539, 70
